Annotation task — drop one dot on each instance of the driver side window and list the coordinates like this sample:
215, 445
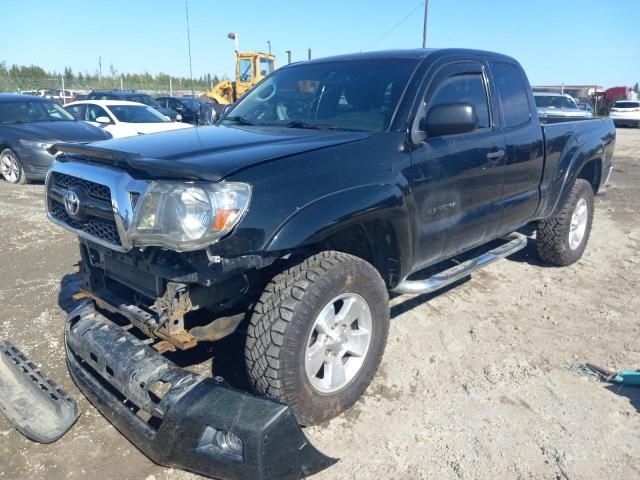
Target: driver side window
465, 88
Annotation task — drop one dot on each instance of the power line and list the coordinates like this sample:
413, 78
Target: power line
392, 29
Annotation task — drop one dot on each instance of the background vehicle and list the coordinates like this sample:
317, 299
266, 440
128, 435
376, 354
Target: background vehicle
251, 67
28, 127
330, 183
133, 96
554, 107
121, 118
193, 110
586, 107
625, 112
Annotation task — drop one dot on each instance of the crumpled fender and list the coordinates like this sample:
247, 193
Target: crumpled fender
332, 213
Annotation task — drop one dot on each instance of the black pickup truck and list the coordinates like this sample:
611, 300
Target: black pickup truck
329, 184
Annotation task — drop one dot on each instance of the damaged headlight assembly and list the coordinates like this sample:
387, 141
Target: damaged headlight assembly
185, 216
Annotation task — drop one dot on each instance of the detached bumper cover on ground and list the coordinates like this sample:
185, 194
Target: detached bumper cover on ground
181, 419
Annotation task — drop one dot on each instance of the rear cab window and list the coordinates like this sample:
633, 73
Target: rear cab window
513, 93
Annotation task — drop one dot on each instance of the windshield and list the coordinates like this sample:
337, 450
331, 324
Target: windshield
192, 103
354, 95
27, 111
137, 114
145, 99
552, 101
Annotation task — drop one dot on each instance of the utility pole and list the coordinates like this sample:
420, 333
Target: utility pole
424, 28
309, 54
186, 7
269, 44
100, 68
288, 52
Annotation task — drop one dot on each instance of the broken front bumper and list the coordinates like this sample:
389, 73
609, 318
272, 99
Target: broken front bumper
179, 418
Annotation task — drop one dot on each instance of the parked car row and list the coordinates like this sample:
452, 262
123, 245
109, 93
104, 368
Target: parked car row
194, 110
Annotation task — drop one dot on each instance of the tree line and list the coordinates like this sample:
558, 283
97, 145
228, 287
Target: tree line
108, 79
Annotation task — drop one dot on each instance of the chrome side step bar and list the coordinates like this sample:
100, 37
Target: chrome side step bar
515, 241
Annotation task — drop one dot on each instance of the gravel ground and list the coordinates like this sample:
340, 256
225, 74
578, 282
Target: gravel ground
474, 383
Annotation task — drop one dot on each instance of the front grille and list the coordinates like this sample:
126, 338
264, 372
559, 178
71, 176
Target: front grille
96, 190
101, 227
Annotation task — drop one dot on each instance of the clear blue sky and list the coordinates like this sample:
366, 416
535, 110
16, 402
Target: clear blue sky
569, 41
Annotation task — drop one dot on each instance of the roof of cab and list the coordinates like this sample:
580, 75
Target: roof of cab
415, 53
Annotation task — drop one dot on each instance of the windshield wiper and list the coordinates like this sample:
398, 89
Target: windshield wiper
310, 126
242, 120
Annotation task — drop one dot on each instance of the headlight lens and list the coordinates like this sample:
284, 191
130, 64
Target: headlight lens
188, 216
39, 145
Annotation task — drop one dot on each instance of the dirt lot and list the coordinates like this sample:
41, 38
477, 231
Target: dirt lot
474, 383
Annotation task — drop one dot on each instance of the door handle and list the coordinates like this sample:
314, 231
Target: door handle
495, 155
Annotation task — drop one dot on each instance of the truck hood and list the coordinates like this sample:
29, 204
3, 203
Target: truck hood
208, 153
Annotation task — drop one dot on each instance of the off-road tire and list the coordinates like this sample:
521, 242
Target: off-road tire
552, 236
282, 321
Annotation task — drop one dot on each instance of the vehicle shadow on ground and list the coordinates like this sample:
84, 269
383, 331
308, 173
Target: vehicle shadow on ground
632, 393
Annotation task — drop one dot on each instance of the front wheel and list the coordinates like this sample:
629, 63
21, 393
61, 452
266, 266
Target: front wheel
317, 335
11, 167
563, 238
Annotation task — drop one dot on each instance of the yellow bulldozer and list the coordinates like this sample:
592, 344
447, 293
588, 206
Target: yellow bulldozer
251, 67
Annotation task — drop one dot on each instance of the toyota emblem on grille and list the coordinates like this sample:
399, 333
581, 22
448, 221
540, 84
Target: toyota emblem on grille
72, 203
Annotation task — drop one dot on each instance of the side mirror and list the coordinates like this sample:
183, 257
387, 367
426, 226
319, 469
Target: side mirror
103, 120
450, 118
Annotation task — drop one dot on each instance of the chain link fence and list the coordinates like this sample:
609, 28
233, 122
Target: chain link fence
65, 91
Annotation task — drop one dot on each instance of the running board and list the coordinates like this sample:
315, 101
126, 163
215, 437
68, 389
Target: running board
515, 241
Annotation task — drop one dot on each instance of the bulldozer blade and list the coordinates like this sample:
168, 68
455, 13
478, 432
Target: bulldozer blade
31, 401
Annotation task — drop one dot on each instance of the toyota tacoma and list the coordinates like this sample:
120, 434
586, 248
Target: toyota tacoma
329, 184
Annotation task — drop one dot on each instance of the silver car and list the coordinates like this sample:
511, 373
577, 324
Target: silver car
555, 107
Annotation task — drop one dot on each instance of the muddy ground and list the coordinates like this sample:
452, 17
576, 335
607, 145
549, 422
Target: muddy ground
474, 383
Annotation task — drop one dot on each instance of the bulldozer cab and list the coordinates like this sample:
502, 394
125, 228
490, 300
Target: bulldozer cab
251, 67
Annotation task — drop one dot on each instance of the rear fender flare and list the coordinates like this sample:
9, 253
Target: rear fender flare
572, 166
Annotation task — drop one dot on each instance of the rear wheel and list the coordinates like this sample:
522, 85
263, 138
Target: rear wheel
317, 335
11, 167
563, 238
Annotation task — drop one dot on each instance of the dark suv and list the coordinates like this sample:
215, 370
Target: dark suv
133, 96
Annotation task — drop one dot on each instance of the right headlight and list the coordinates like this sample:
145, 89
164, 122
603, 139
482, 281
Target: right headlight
184, 216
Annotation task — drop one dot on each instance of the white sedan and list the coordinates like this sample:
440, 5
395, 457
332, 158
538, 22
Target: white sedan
121, 118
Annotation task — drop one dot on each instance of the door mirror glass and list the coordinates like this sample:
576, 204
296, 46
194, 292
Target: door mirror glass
103, 119
450, 119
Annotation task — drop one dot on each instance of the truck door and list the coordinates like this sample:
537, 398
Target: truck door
457, 179
524, 146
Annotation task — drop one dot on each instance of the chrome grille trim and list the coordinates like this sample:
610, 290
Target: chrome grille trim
121, 186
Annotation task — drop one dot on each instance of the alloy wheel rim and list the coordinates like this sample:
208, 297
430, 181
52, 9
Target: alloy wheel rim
578, 226
9, 167
338, 343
